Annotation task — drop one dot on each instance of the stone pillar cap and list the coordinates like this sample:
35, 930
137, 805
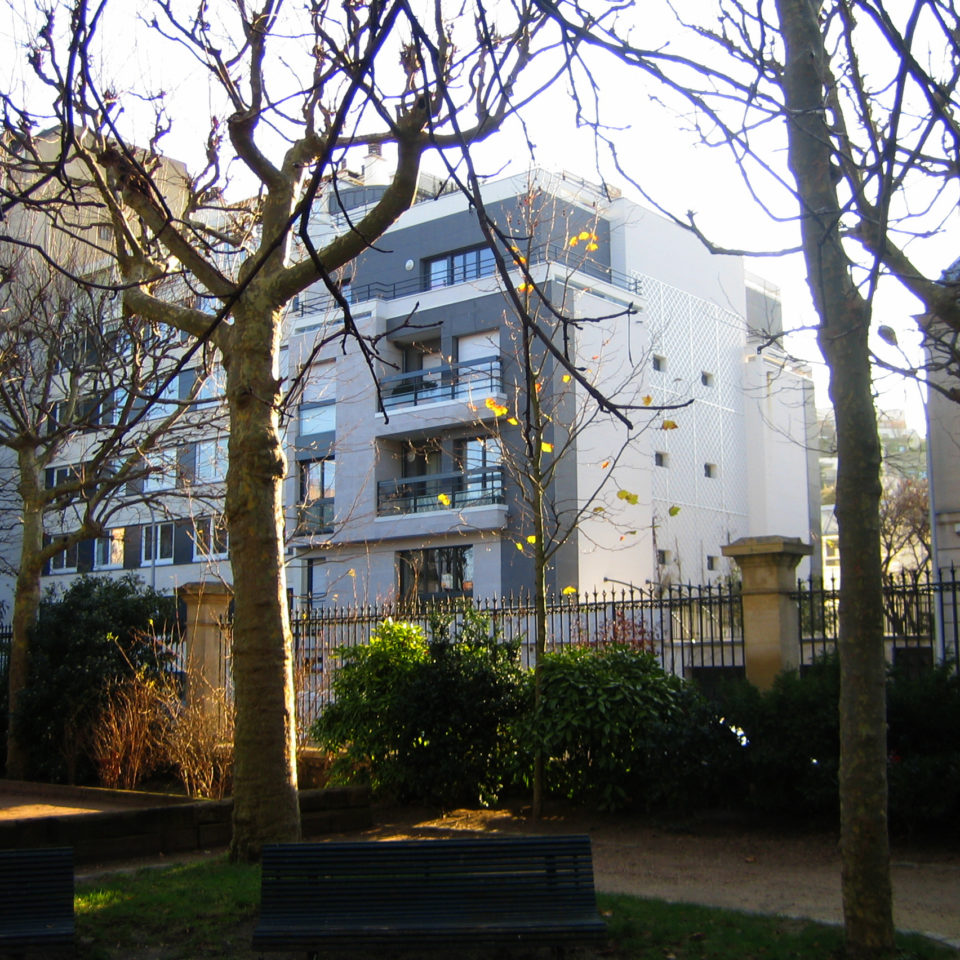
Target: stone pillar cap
213, 588
761, 546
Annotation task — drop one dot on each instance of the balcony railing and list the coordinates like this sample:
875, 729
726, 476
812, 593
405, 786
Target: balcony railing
456, 381
321, 301
440, 491
314, 517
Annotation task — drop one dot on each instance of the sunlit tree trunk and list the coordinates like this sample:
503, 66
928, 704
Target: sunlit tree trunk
844, 328
266, 806
26, 603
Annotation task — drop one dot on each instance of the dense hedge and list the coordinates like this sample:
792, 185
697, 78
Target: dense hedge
427, 722
97, 631
452, 721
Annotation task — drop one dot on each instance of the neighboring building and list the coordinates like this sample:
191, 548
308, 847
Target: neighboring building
943, 443
425, 499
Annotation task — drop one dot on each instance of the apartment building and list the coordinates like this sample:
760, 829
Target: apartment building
426, 497
408, 469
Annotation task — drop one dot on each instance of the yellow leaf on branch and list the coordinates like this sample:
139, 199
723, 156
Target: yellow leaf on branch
668, 425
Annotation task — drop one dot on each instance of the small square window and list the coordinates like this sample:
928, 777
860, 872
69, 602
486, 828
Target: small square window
713, 563
663, 557
659, 363
710, 470
706, 378
661, 459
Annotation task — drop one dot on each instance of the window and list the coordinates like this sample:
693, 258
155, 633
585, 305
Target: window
436, 572
706, 378
480, 459
210, 461
212, 385
317, 487
710, 470
156, 544
318, 409
163, 473
167, 396
318, 418
65, 561
459, 267
661, 459
59, 476
713, 563
211, 540
663, 557
108, 550
659, 363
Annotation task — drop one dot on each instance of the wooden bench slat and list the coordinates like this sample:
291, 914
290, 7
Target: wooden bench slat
416, 892
36, 898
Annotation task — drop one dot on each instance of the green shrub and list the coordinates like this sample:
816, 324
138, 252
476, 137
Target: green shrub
618, 731
100, 630
791, 745
429, 721
923, 744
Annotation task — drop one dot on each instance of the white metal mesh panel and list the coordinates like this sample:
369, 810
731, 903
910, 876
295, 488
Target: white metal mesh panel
700, 346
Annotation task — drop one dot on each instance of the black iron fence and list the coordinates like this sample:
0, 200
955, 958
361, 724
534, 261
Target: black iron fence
695, 631
920, 618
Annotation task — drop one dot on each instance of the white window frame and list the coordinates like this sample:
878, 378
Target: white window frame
163, 472
210, 460
112, 543
156, 533
59, 564
203, 537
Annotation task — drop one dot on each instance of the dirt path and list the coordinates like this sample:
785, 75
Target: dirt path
722, 866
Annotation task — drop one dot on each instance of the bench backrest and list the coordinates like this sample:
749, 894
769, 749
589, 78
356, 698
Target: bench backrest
36, 888
477, 879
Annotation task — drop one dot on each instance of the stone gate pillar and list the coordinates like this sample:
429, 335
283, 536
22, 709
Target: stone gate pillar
208, 606
771, 621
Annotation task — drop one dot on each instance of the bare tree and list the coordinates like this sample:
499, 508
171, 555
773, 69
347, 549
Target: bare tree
294, 91
863, 97
905, 527
78, 428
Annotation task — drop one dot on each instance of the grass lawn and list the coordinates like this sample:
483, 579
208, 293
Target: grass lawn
208, 909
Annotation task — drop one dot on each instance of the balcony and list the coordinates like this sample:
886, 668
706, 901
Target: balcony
314, 517
440, 491
320, 301
456, 381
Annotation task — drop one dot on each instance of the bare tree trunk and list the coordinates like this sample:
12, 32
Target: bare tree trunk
844, 328
26, 603
266, 805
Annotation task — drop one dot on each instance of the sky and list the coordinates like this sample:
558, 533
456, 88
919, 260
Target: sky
655, 148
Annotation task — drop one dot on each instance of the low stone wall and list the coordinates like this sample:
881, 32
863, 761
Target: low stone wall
166, 825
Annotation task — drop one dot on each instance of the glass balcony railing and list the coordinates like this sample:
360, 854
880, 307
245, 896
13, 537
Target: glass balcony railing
320, 301
440, 491
457, 381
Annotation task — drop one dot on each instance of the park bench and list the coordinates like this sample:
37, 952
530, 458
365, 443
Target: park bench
417, 894
36, 900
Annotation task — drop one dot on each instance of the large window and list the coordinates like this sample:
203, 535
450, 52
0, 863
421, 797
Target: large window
108, 550
318, 408
211, 540
459, 267
167, 397
156, 544
436, 572
480, 459
317, 488
65, 561
210, 464
163, 472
